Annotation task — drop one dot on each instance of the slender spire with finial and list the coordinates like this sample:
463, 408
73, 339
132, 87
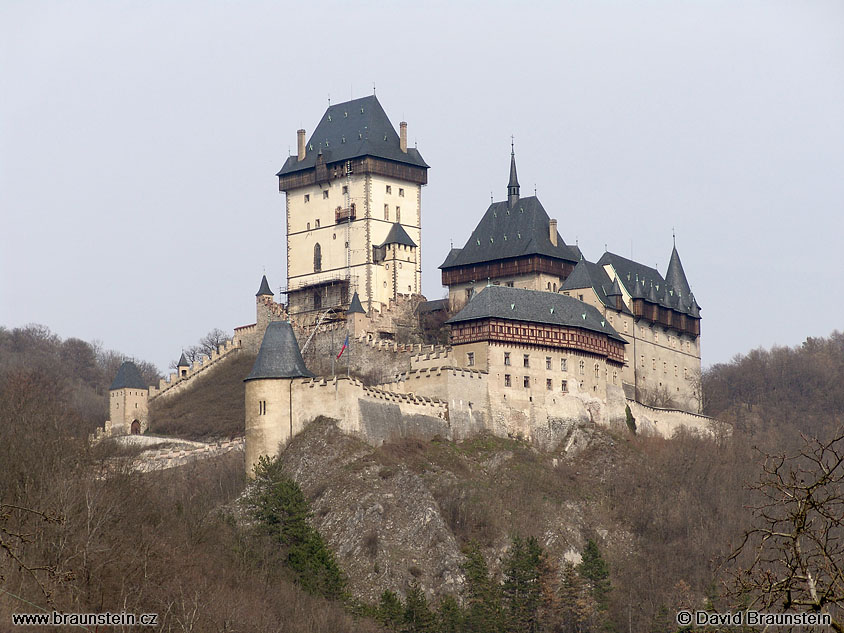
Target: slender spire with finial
513, 185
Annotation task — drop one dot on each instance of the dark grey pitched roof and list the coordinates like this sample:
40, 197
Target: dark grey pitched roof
506, 232
432, 306
629, 272
183, 362
128, 377
675, 276
350, 130
534, 306
694, 308
452, 255
398, 235
265, 288
279, 356
589, 275
355, 306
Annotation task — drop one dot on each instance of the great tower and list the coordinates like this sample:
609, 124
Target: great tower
354, 212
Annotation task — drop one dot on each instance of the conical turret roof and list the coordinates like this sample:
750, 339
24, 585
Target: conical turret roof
355, 306
279, 356
128, 377
675, 276
264, 289
652, 296
615, 289
183, 362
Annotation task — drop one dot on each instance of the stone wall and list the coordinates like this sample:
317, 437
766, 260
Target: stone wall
666, 422
175, 383
375, 415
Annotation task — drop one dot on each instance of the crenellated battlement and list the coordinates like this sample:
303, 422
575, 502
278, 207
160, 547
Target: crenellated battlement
175, 383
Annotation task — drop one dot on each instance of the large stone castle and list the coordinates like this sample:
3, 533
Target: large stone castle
540, 338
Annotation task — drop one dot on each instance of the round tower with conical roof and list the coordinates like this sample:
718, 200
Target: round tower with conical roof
269, 393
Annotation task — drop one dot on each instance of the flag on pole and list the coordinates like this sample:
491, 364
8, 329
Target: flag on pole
345, 345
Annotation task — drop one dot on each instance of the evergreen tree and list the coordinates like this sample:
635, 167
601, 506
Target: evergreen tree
417, 616
450, 617
522, 587
595, 570
483, 602
577, 606
390, 610
281, 512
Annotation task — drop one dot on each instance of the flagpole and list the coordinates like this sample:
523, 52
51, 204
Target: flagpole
349, 359
333, 375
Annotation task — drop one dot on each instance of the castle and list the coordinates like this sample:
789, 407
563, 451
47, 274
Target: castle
540, 338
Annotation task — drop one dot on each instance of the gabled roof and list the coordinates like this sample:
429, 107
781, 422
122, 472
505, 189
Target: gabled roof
398, 235
589, 275
629, 272
279, 356
675, 276
128, 377
183, 362
511, 231
350, 130
265, 288
355, 306
534, 306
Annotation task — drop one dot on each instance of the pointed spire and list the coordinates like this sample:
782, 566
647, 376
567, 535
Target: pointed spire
355, 306
652, 296
264, 290
615, 291
183, 362
128, 377
513, 185
675, 276
279, 356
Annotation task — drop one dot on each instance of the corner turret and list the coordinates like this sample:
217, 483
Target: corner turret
128, 402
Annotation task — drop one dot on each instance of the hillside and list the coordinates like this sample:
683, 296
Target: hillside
403, 514
210, 409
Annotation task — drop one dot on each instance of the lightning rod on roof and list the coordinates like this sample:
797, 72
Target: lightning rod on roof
373, 87
329, 99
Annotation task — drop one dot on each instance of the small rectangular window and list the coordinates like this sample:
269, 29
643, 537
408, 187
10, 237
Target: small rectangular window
317, 224
564, 386
325, 194
548, 385
506, 358
527, 360
345, 189
470, 359
386, 211
506, 380
401, 192
509, 284
389, 189
548, 363
580, 297
307, 197
527, 382
398, 214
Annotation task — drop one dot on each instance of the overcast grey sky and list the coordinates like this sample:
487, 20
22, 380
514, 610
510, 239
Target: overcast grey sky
139, 144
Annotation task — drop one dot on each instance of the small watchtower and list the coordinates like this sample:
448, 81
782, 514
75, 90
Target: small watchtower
128, 402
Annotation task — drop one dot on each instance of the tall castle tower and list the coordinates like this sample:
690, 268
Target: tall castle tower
354, 212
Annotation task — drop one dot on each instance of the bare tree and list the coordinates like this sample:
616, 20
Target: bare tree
793, 556
211, 341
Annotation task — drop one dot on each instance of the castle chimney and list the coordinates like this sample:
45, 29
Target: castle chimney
552, 232
403, 136
301, 144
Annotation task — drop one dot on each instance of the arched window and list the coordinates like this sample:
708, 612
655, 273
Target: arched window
317, 258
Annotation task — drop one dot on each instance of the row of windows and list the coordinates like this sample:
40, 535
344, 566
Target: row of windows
665, 367
401, 191
345, 191
549, 383
548, 362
